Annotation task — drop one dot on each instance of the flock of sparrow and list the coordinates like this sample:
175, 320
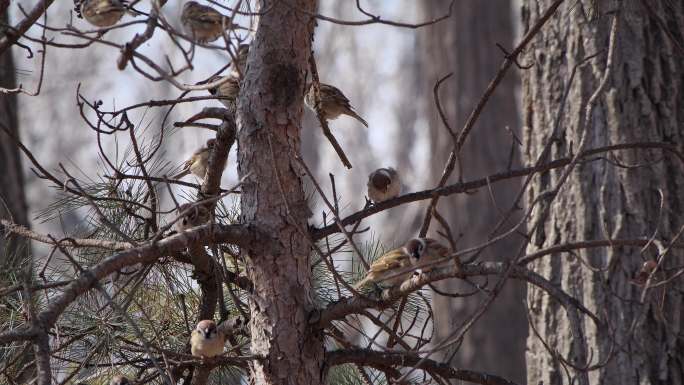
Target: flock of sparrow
204, 24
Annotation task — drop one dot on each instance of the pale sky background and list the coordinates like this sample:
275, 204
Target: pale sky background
366, 65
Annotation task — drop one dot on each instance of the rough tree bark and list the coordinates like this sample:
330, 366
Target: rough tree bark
465, 45
269, 122
643, 101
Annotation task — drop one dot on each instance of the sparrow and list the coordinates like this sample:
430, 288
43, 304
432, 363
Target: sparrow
393, 267
644, 272
101, 13
240, 60
196, 215
206, 340
228, 90
198, 162
331, 102
425, 250
383, 184
204, 23
119, 380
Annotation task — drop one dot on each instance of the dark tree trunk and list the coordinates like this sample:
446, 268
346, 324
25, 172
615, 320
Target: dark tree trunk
273, 200
465, 45
643, 101
12, 199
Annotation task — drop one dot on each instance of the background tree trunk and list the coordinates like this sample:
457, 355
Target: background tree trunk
14, 251
464, 45
643, 101
12, 197
272, 199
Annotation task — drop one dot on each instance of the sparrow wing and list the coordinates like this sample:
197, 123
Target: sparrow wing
394, 259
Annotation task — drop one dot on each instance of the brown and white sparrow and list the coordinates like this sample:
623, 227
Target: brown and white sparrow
206, 340
240, 60
425, 250
204, 23
383, 184
119, 380
331, 102
192, 215
198, 162
102, 13
228, 90
394, 267
644, 272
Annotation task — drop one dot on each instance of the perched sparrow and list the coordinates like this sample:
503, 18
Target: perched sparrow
424, 250
196, 216
206, 341
383, 184
203, 22
240, 60
642, 275
119, 380
102, 13
198, 162
385, 269
332, 102
228, 90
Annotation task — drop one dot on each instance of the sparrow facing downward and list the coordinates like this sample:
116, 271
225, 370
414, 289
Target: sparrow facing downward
102, 13
203, 23
198, 162
197, 215
331, 102
228, 91
383, 184
119, 380
206, 340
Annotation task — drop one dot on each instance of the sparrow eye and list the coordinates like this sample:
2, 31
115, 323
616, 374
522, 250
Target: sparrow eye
184, 222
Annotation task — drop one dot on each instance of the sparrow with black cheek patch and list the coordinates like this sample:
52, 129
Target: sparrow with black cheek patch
383, 184
102, 13
198, 162
204, 23
119, 380
228, 90
192, 215
240, 60
425, 250
206, 340
331, 102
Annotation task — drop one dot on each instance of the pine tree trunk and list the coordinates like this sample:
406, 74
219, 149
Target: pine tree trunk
269, 121
642, 102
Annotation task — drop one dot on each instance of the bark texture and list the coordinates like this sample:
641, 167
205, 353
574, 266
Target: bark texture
465, 45
269, 121
643, 101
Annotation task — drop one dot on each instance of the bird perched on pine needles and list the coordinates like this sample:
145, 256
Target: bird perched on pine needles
101, 13
198, 162
331, 102
383, 184
119, 380
192, 215
394, 267
206, 340
227, 91
204, 23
